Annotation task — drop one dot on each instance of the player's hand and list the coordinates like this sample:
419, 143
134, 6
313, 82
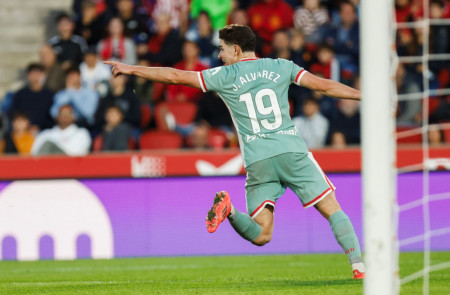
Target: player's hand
119, 68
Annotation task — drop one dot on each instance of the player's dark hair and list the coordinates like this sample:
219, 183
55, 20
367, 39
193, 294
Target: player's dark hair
239, 35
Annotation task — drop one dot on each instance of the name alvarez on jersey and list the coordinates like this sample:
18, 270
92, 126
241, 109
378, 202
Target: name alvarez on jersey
264, 74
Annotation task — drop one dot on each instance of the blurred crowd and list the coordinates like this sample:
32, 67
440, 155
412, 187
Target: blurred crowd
70, 104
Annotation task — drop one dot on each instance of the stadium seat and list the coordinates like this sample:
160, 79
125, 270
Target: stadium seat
151, 140
416, 138
97, 143
446, 131
146, 115
217, 139
183, 112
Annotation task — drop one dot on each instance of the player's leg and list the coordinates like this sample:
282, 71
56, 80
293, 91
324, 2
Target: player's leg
257, 230
308, 181
343, 231
265, 221
262, 188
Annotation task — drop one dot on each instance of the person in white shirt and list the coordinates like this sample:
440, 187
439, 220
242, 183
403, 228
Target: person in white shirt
64, 138
95, 74
312, 125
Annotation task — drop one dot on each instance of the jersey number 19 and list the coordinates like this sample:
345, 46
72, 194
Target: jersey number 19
263, 110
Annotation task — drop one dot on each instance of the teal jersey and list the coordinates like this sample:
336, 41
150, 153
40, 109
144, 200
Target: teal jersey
256, 94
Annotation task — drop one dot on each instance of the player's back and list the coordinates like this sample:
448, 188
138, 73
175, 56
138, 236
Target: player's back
256, 92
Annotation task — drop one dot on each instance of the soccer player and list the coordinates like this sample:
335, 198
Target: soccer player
255, 91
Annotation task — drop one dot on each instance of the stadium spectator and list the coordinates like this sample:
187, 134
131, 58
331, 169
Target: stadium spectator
190, 62
91, 22
83, 100
64, 138
299, 54
326, 65
116, 133
267, 17
212, 110
406, 10
442, 112
409, 111
68, 47
207, 39
312, 125
338, 140
218, 11
344, 39
309, 18
177, 10
198, 138
136, 25
347, 121
143, 87
54, 73
34, 99
239, 16
440, 43
435, 135
281, 45
120, 95
95, 75
20, 139
116, 46
164, 47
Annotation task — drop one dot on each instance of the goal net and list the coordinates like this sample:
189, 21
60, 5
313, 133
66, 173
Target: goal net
384, 92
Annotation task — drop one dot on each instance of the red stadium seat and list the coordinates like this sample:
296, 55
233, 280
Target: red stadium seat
415, 138
217, 138
151, 140
183, 112
146, 115
97, 143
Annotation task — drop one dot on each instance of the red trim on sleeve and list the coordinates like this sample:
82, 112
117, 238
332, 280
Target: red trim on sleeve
203, 81
298, 75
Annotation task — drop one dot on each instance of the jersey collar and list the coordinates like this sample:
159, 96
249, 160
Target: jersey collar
249, 58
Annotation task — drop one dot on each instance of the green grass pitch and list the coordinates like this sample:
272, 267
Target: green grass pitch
271, 274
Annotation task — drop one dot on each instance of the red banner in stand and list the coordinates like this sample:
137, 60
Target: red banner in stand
191, 163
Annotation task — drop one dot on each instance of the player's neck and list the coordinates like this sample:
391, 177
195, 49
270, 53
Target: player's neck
249, 54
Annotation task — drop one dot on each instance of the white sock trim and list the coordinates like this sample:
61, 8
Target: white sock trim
359, 266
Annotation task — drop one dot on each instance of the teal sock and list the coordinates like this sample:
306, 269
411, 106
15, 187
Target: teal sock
244, 225
345, 235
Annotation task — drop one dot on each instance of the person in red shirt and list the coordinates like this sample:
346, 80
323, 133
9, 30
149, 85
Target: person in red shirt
190, 62
267, 17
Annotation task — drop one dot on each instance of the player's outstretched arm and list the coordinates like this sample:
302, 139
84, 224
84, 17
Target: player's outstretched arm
157, 74
329, 87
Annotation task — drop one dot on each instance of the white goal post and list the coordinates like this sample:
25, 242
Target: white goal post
378, 149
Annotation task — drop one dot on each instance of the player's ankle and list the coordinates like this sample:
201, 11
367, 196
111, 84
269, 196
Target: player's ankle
359, 266
232, 212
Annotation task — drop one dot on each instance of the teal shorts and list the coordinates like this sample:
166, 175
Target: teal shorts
268, 179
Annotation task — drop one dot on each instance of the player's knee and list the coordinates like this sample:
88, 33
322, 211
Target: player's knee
262, 240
